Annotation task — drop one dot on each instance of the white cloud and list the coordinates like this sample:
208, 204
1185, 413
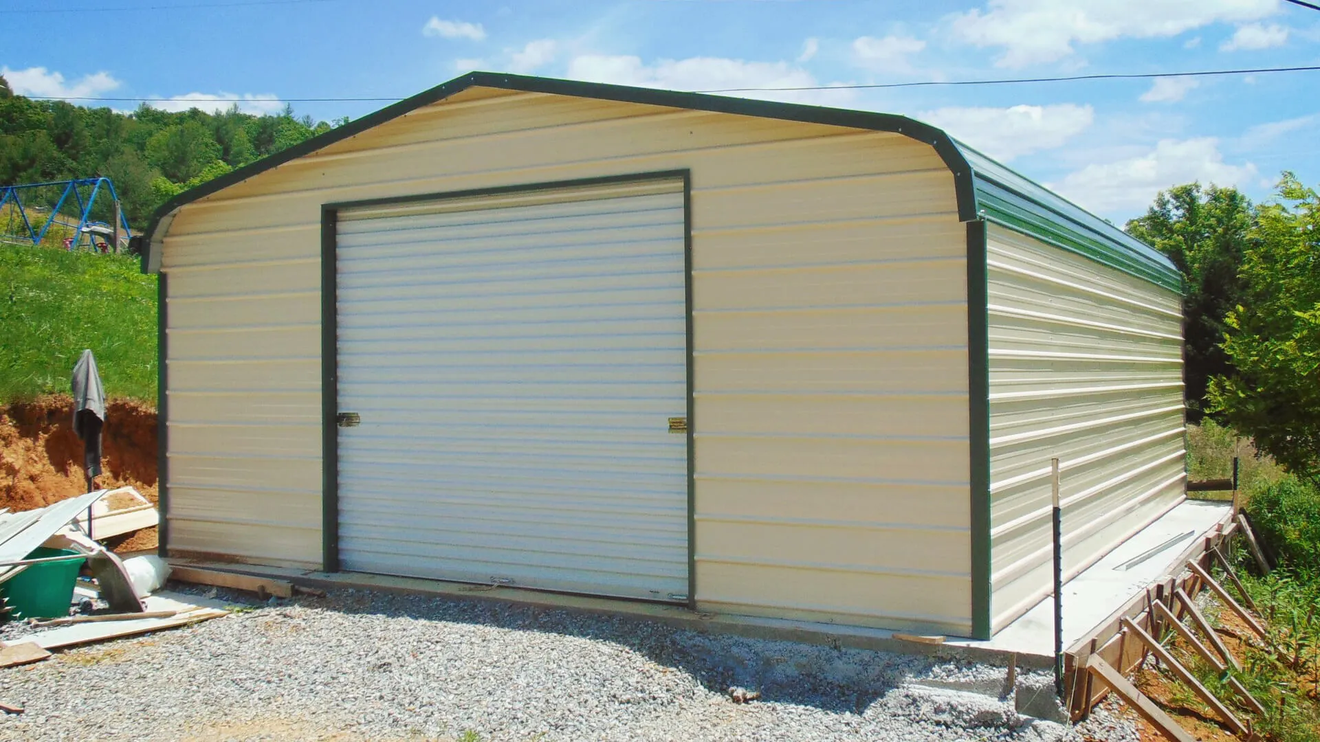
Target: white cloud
1130, 184
42, 82
1192, 43
536, 54
453, 29
468, 65
247, 103
1255, 36
1169, 89
890, 53
1040, 31
1006, 133
707, 73
809, 49
1261, 134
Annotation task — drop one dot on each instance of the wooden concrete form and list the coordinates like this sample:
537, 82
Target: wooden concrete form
1113, 645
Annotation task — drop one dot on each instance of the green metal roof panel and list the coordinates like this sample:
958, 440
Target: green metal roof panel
1015, 201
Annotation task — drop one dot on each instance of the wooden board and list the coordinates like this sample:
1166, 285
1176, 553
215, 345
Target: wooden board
1256, 551
88, 633
232, 580
1138, 701
1228, 571
1206, 629
1227, 599
22, 653
1174, 666
1186, 634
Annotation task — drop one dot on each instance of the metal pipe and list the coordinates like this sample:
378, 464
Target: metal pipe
1058, 579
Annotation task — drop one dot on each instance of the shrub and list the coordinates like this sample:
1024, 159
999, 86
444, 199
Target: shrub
1286, 516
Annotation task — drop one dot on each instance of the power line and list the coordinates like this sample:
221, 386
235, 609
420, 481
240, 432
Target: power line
1020, 80
102, 9
923, 83
1303, 4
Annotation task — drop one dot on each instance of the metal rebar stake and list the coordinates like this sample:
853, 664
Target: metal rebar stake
1058, 579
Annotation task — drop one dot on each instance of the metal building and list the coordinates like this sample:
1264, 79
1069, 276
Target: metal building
760, 358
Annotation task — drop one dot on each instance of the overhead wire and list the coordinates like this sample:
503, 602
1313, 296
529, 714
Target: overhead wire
871, 86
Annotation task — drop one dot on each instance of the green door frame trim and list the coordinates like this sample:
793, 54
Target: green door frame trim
978, 395
330, 349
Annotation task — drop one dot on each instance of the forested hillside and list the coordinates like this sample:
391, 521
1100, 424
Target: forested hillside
149, 154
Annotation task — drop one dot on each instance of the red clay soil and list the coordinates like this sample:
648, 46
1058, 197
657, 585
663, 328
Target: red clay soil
41, 457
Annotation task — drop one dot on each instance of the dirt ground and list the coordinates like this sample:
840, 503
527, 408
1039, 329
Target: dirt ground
41, 459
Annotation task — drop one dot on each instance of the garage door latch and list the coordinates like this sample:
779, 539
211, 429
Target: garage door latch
678, 424
348, 419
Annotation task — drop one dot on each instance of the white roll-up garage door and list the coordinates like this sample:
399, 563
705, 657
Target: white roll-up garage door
515, 361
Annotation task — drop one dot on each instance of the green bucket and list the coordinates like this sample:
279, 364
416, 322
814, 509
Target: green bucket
42, 590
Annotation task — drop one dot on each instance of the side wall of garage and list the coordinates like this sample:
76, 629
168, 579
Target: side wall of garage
1086, 367
830, 344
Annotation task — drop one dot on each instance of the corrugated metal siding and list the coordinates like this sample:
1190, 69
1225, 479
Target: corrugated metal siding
515, 360
1085, 366
831, 394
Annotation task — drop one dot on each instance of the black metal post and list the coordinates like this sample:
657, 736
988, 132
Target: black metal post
1058, 579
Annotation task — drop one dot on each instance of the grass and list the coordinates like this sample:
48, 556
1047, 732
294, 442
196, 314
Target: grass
1210, 451
54, 303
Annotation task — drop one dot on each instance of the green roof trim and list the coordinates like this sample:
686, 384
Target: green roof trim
1012, 200
984, 188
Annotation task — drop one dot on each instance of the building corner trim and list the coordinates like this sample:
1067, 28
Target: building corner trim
978, 388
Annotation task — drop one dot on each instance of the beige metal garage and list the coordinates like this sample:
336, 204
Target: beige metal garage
758, 358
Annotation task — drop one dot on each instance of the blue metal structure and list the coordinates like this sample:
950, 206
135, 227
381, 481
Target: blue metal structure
71, 192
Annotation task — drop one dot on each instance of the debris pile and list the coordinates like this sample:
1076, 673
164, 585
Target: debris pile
61, 588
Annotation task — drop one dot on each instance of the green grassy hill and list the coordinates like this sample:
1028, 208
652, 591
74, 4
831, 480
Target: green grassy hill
54, 303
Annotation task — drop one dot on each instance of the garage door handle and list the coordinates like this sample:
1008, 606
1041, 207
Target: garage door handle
348, 419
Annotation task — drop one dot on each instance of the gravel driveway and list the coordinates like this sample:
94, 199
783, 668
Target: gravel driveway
371, 666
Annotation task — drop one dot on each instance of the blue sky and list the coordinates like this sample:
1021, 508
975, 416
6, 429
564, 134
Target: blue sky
1108, 145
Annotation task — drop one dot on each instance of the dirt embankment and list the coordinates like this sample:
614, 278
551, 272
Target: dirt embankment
41, 459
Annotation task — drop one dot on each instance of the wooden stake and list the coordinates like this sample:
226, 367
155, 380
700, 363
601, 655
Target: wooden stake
1181, 630
1255, 545
1137, 700
107, 617
10, 708
1246, 696
1228, 599
1234, 723
1228, 570
1210, 634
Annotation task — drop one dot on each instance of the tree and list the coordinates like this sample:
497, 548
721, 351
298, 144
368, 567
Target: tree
132, 177
1204, 231
1273, 334
182, 152
5, 91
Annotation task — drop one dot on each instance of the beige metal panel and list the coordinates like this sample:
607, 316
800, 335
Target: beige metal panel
845, 372
835, 502
822, 592
238, 310
263, 543
246, 375
246, 407
877, 416
843, 544
247, 439
933, 326
235, 343
865, 242
836, 285
298, 243
1086, 367
803, 381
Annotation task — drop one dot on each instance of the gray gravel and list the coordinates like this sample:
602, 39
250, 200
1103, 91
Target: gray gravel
360, 665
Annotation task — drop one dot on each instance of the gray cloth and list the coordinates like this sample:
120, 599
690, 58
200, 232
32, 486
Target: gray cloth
88, 394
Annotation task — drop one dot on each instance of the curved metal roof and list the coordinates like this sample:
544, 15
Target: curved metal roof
985, 189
